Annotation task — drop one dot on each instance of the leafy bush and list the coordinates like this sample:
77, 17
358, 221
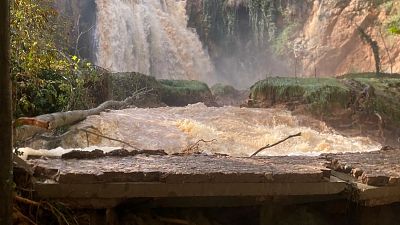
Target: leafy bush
45, 77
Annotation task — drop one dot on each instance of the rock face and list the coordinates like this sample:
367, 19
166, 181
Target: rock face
248, 40
329, 37
320, 37
80, 19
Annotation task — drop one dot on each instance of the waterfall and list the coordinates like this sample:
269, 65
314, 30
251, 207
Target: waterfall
150, 37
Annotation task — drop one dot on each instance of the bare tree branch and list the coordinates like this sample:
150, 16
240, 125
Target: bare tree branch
106, 137
277, 143
195, 147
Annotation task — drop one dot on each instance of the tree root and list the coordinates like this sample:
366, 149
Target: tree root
25, 201
61, 217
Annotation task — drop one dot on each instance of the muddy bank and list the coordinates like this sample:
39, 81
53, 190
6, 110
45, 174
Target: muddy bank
360, 104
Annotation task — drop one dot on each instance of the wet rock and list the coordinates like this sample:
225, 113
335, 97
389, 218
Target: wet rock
76, 154
228, 95
119, 153
185, 92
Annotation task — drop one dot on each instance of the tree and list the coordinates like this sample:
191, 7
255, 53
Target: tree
5, 118
46, 78
374, 47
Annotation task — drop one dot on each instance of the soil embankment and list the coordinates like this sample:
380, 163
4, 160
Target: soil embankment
355, 105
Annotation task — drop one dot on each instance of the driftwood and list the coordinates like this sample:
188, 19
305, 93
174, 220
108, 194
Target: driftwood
28, 127
103, 136
277, 143
195, 147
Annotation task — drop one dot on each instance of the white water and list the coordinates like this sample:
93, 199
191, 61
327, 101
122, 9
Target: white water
237, 131
151, 37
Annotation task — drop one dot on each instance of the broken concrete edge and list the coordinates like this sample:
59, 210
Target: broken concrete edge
332, 162
375, 196
338, 162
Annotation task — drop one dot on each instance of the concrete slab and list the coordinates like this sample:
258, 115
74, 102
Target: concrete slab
110, 180
379, 168
182, 169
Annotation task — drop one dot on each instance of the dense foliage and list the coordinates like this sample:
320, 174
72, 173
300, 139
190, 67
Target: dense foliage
394, 27
46, 78
392, 8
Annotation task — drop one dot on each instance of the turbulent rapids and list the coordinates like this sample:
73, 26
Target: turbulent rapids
237, 131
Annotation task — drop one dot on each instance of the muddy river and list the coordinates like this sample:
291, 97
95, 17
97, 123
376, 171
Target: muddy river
227, 130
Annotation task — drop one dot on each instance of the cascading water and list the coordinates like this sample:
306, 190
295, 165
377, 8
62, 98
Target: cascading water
237, 132
151, 37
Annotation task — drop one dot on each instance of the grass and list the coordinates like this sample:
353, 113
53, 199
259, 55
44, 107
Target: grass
123, 85
319, 93
324, 94
370, 75
387, 96
223, 90
183, 92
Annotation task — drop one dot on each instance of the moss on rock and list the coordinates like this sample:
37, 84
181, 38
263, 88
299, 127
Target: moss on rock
224, 90
123, 85
386, 97
228, 95
184, 92
320, 94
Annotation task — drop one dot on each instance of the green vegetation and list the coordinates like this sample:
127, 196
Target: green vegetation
46, 78
321, 94
123, 85
370, 75
183, 92
170, 92
394, 25
219, 21
223, 90
280, 43
393, 22
386, 96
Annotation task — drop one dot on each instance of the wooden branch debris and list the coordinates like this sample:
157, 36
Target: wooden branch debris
28, 127
25, 201
106, 137
277, 143
381, 126
195, 147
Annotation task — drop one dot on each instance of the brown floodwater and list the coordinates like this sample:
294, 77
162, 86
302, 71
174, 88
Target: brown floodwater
235, 131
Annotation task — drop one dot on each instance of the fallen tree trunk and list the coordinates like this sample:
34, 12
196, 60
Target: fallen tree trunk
29, 127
